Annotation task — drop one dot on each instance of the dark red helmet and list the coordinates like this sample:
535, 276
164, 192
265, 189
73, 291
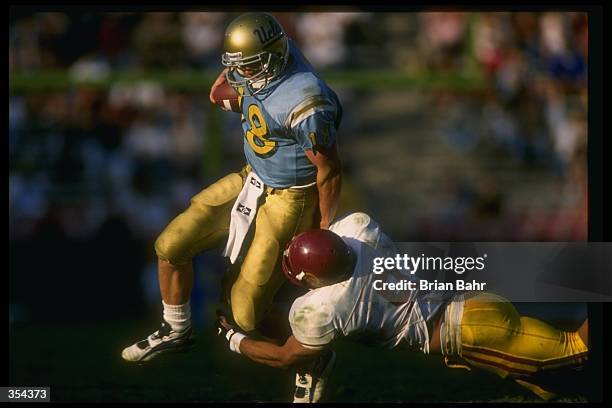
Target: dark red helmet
317, 257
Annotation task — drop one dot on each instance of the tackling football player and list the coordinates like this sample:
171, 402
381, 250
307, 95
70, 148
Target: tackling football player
473, 330
291, 183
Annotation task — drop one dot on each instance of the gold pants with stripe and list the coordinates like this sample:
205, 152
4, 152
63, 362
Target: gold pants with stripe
281, 214
485, 331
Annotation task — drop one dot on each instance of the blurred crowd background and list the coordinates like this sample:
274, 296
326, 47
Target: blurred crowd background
96, 173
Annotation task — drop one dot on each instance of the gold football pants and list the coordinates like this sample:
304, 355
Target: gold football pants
486, 331
281, 214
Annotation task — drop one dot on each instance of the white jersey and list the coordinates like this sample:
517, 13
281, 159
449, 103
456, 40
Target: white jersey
352, 308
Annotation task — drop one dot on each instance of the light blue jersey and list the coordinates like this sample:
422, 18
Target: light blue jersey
291, 115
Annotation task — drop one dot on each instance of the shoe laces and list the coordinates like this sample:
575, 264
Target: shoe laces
164, 330
302, 378
301, 390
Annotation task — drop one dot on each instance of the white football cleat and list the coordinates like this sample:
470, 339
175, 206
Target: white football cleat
310, 384
164, 340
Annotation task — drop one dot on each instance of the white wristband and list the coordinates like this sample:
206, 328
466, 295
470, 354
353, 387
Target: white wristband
235, 341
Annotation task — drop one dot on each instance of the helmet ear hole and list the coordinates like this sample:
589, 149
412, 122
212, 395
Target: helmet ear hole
311, 280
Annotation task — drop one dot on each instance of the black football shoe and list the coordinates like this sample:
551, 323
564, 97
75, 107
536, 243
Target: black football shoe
310, 384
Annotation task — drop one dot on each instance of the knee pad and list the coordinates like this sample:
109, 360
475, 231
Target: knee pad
168, 251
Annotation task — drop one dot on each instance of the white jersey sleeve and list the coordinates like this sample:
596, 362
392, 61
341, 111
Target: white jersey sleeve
312, 319
361, 227
354, 309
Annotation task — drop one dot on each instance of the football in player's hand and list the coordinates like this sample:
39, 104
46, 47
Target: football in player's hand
226, 97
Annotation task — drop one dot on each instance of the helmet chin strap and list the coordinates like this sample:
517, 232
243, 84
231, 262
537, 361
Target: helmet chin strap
258, 84
253, 88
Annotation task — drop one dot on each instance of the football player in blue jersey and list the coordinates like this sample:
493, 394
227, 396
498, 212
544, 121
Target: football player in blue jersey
290, 119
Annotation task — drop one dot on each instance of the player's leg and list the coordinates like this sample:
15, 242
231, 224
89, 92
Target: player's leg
283, 214
490, 334
175, 281
198, 228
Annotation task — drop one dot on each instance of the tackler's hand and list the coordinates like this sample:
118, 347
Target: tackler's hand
228, 332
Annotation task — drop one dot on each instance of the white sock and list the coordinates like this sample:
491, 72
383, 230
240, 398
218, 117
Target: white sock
178, 316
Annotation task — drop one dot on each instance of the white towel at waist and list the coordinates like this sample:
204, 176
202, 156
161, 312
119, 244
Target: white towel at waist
243, 214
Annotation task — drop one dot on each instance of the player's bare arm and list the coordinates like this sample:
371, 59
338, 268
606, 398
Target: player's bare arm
289, 355
329, 180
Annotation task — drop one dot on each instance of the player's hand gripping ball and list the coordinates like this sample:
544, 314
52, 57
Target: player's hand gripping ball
224, 95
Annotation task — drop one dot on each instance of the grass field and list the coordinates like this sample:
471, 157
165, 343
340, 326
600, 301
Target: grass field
83, 363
